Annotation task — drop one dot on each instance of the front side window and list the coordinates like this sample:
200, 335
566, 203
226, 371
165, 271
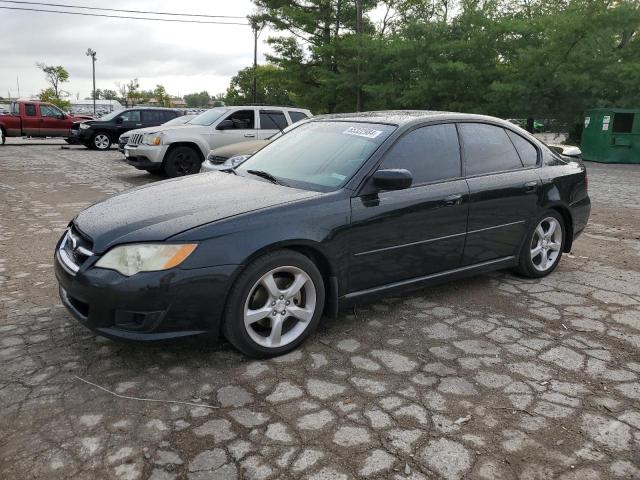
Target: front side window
487, 149
320, 156
242, 120
30, 110
272, 120
131, 116
430, 153
50, 111
528, 153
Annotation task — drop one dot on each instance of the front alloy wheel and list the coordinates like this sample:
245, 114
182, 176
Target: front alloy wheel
101, 141
275, 304
280, 306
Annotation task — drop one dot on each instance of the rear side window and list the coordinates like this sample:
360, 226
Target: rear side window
30, 110
153, 116
622, 123
487, 149
528, 153
169, 114
272, 120
297, 116
430, 153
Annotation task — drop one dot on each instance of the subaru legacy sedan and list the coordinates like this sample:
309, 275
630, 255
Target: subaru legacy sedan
339, 209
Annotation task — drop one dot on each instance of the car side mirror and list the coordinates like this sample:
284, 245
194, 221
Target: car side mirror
225, 125
392, 179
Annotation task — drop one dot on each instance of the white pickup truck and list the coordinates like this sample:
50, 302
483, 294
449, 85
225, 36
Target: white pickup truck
180, 150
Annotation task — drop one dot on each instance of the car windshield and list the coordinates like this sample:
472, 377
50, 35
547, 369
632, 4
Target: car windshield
320, 156
111, 116
208, 117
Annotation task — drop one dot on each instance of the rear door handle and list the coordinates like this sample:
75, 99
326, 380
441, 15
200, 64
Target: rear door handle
138, 124
531, 186
451, 200
249, 135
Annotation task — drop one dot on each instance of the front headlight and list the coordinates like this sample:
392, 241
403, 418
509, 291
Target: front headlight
145, 257
235, 161
84, 126
152, 139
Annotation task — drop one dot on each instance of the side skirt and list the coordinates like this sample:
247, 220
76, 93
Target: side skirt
434, 278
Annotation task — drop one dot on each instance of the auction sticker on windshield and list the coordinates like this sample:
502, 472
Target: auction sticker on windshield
362, 132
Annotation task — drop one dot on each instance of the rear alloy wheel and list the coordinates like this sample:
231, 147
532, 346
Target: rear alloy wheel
543, 249
275, 304
101, 141
182, 161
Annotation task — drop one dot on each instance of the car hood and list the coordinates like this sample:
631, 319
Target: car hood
161, 210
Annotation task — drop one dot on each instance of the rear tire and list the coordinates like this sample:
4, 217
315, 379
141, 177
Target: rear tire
274, 305
182, 161
543, 246
3, 137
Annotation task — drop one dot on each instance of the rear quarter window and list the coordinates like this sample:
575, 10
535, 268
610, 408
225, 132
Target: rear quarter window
528, 153
296, 116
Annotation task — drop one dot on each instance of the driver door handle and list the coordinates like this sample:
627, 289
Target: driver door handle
138, 124
451, 200
249, 135
531, 186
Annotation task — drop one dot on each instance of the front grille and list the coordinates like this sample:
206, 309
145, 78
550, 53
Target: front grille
75, 249
217, 160
135, 139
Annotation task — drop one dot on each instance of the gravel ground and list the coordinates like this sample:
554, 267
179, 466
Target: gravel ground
492, 377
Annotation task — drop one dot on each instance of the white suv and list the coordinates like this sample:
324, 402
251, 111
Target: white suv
179, 150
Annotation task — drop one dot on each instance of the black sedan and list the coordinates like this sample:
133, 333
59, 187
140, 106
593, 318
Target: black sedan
339, 209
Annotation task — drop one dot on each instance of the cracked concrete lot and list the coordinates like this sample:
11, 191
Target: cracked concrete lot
494, 377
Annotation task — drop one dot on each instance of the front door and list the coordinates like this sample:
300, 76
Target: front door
503, 193
53, 122
128, 120
406, 234
236, 127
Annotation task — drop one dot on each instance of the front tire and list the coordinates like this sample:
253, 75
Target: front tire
3, 137
182, 161
274, 305
543, 247
101, 141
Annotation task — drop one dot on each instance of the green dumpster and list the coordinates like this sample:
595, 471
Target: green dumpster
611, 135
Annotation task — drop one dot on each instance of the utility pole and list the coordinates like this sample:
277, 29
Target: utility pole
254, 25
359, 36
91, 53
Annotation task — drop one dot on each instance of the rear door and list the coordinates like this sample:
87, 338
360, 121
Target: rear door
271, 122
30, 119
503, 192
405, 234
53, 122
241, 127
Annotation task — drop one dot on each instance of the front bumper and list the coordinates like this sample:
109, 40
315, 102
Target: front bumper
146, 306
145, 157
208, 166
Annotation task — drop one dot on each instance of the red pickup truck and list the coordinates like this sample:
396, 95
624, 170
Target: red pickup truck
36, 119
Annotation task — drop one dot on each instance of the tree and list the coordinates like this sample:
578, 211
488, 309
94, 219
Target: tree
109, 94
161, 96
128, 91
49, 95
55, 75
197, 99
270, 86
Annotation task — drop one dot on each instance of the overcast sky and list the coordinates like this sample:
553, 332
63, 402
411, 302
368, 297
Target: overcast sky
185, 58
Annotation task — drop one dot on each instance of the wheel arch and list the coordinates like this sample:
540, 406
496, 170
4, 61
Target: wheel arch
313, 252
565, 213
174, 145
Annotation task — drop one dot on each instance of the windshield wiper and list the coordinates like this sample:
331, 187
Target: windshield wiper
266, 176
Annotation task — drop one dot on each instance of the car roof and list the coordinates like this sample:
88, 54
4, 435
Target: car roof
265, 107
404, 117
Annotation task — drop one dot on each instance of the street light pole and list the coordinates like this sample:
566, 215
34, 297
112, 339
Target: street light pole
254, 25
91, 53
